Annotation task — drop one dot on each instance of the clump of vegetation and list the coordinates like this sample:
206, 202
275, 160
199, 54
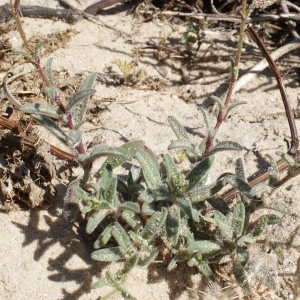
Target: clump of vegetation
136, 217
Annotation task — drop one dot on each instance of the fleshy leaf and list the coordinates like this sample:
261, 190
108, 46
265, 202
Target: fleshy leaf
51, 126
40, 109
198, 172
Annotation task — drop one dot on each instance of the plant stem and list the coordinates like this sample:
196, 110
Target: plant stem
291, 120
234, 73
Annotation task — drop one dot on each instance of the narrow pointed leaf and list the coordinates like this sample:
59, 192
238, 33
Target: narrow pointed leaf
110, 193
71, 202
173, 224
95, 220
198, 172
294, 167
38, 46
51, 126
238, 219
170, 167
133, 220
23, 52
279, 206
108, 254
51, 91
150, 168
224, 225
104, 237
40, 109
154, 224
228, 145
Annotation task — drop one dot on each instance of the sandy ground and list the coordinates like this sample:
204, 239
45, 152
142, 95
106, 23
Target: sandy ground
42, 256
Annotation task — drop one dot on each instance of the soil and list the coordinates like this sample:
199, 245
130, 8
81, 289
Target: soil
44, 257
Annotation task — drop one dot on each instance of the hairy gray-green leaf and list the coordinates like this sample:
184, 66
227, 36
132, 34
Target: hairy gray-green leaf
294, 167
198, 172
145, 261
104, 237
81, 106
182, 135
71, 201
38, 46
51, 92
218, 203
131, 147
219, 103
206, 248
102, 150
154, 224
240, 170
279, 206
23, 52
208, 121
224, 225
240, 275
127, 205
79, 96
48, 70
150, 168
274, 175
242, 255
131, 219
238, 219
258, 189
204, 192
260, 225
108, 254
237, 183
95, 220
186, 206
173, 224
206, 271
233, 105
122, 238
181, 144
228, 145
51, 126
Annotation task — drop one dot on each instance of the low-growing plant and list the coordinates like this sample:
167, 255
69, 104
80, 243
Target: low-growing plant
136, 217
